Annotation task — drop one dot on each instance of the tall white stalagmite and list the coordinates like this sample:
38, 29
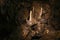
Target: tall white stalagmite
30, 19
30, 16
40, 13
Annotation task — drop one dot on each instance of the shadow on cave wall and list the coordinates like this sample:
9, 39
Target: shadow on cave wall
8, 19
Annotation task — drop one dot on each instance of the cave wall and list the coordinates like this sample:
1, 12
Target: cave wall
12, 14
